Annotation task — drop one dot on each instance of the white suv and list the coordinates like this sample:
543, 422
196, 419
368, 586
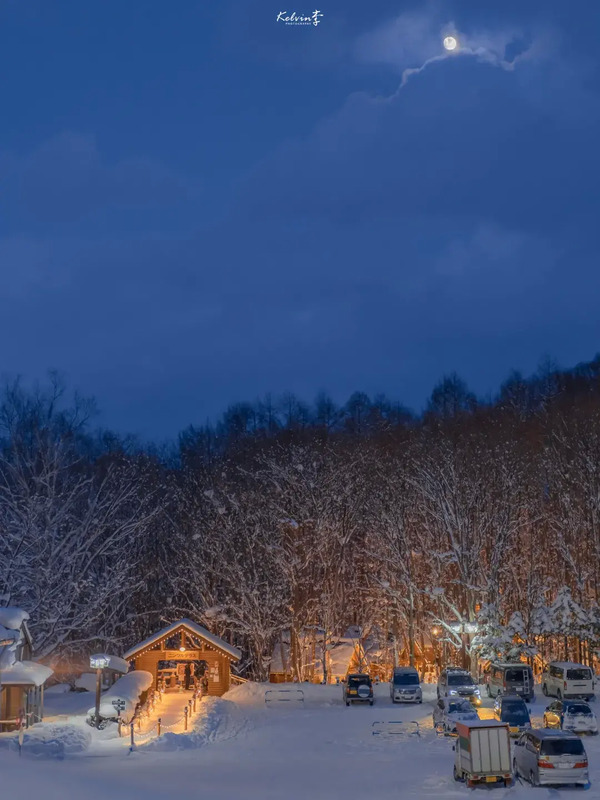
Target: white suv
455, 682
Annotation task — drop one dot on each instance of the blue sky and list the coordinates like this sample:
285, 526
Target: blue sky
199, 205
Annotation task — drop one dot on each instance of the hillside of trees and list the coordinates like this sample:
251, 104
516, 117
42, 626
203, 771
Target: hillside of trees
288, 515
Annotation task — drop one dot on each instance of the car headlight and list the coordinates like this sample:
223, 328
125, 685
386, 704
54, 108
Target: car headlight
477, 691
453, 691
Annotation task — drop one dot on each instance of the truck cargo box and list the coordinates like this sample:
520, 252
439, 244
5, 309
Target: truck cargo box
483, 752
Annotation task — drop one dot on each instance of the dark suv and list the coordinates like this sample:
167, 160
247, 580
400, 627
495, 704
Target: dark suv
358, 688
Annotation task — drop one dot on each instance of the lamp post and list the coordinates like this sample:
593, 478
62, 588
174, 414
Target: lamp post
99, 662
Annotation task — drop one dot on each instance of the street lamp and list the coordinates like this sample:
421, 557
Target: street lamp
99, 661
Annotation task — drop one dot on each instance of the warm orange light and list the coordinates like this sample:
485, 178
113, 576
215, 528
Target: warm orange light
182, 649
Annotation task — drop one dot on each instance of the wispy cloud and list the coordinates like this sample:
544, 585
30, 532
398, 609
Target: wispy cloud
413, 41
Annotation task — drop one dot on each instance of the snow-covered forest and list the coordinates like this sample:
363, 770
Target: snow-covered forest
478, 516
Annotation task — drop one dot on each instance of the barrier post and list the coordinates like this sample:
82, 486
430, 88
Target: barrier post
132, 747
158, 726
194, 704
185, 718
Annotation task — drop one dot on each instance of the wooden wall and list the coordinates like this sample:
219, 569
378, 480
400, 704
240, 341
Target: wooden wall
219, 666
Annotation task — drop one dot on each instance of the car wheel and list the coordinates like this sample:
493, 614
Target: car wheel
544, 690
438, 694
559, 694
347, 702
457, 776
532, 779
489, 691
515, 768
420, 701
371, 702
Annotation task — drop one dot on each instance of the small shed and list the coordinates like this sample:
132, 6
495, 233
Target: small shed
185, 642
21, 680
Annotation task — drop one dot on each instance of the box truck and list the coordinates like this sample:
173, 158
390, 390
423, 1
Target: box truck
482, 752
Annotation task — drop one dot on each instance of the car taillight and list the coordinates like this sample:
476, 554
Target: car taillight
581, 764
565, 684
545, 765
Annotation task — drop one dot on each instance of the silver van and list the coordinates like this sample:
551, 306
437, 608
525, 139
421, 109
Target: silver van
511, 678
404, 686
546, 757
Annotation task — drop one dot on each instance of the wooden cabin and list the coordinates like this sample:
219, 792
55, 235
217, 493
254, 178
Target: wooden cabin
21, 680
166, 653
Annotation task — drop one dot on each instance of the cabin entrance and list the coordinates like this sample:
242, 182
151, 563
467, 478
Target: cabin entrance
183, 654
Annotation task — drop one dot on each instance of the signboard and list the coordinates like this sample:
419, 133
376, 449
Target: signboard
119, 705
187, 655
99, 661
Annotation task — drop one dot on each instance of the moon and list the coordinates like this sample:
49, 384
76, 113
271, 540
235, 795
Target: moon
450, 43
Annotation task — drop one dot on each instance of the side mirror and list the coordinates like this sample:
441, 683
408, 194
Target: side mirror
454, 748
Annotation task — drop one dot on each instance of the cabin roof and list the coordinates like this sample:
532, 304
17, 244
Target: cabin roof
194, 629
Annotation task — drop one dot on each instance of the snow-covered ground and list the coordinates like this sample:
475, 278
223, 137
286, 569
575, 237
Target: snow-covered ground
238, 747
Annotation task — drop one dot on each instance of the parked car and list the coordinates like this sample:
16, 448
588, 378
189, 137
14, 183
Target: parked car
565, 679
550, 757
571, 715
455, 682
404, 686
447, 711
512, 710
358, 688
516, 678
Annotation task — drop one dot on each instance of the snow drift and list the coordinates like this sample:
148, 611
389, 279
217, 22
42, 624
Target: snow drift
128, 689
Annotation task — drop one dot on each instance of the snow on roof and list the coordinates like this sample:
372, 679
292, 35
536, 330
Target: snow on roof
568, 665
482, 723
128, 689
8, 633
25, 673
194, 628
13, 618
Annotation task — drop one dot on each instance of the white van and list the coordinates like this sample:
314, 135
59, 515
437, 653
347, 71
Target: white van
565, 679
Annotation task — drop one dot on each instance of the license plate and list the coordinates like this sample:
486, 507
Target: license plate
491, 779
564, 765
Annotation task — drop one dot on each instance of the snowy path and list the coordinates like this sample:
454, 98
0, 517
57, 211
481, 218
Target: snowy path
321, 750
171, 712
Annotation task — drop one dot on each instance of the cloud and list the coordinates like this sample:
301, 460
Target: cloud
66, 180
413, 40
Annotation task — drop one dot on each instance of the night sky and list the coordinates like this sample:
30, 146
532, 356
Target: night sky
199, 205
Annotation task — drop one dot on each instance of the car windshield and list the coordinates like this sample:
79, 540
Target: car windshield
363, 680
458, 679
579, 675
460, 707
514, 675
406, 679
576, 709
562, 747
514, 713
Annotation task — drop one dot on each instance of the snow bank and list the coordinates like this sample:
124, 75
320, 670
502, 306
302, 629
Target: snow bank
86, 681
26, 673
12, 618
58, 688
128, 688
315, 694
252, 693
217, 721
50, 741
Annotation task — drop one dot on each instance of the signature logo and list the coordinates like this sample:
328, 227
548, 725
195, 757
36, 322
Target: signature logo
300, 19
